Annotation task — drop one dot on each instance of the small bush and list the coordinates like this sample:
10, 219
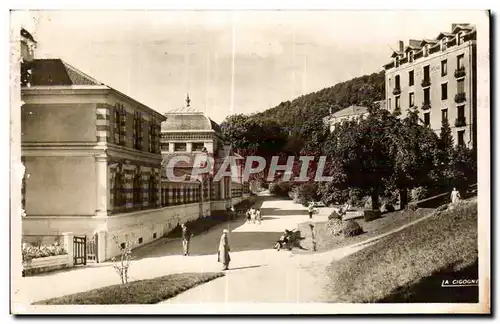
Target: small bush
412, 206
352, 228
418, 193
335, 226
305, 193
280, 188
334, 215
388, 207
30, 252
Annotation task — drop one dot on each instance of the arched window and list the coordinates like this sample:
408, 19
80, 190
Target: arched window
137, 199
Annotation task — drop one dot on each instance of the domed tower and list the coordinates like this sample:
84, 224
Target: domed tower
190, 133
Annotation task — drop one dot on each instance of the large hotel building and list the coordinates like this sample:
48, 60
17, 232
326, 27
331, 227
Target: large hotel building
437, 78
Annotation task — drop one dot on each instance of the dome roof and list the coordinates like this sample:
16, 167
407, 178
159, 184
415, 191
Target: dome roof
186, 121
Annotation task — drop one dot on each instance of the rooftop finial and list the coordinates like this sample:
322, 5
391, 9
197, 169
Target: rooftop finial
188, 101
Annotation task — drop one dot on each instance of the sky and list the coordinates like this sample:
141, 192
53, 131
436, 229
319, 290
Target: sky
229, 61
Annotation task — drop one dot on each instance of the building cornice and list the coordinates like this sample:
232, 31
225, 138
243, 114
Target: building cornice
66, 94
432, 56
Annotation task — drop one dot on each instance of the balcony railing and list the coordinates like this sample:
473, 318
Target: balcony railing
426, 105
460, 122
460, 72
460, 97
425, 83
396, 91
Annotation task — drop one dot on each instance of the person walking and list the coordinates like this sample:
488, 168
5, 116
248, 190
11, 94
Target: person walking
310, 209
223, 254
258, 215
186, 238
455, 196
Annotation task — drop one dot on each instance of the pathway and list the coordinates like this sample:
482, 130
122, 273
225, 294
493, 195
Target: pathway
258, 273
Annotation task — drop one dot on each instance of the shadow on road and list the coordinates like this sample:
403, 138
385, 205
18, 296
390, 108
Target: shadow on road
207, 243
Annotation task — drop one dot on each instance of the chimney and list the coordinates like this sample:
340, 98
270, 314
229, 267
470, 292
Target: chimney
458, 24
401, 46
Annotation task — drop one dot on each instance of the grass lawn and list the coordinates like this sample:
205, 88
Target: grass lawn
149, 291
325, 241
409, 266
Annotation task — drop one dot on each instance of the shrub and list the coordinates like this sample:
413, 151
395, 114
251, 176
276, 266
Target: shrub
280, 188
388, 207
30, 252
334, 215
418, 193
412, 206
305, 193
335, 226
352, 228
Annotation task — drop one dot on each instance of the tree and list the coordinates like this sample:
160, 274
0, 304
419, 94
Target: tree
364, 153
414, 149
446, 149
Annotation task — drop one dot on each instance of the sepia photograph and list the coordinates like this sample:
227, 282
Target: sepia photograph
250, 161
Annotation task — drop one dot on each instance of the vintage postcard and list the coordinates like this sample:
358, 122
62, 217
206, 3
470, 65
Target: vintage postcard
250, 161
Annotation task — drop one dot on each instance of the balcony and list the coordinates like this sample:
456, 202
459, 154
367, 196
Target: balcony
396, 112
426, 105
460, 97
460, 122
426, 83
460, 72
396, 91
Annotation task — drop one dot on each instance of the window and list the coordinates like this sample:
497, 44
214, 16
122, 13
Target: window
165, 147
444, 114
444, 91
116, 125
411, 78
389, 106
460, 61
411, 99
120, 124
138, 131
443, 44
136, 190
410, 56
152, 191
180, 147
459, 38
427, 119
427, 96
461, 112
398, 103
398, 83
427, 75
460, 86
198, 147
118, 195
460, 135
444, 68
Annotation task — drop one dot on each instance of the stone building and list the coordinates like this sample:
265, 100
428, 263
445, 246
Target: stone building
95, 160
189, 134
437, 78
349, 113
